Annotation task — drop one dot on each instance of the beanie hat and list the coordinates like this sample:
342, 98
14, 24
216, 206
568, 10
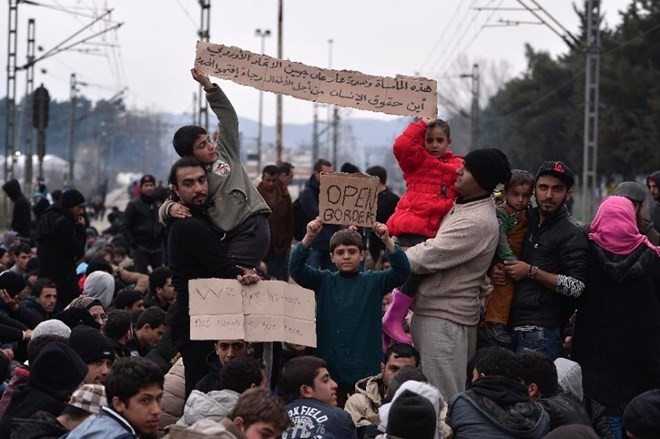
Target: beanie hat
90, 398
147, 179
557, 169
51, 327
90, 344
412, 417
489, 167
642, 416
428, 391
8, 238
12, 282
72, 198
32, 264
57, 370
631, 190
126, 299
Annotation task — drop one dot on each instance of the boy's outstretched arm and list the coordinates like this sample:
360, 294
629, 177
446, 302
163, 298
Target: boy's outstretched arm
313, 229
303, 274
383, 234
200, 77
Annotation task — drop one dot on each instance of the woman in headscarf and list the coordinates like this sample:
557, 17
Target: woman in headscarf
93, 306
617, 329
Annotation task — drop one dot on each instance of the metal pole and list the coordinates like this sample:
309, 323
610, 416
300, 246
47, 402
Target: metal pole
335, 135
278, 98
262, 34
72, 124
475, 106
29, 89
315, 134
204, 34
10, 121
591, 98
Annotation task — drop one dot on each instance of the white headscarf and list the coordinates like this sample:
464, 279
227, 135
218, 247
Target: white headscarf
423, 389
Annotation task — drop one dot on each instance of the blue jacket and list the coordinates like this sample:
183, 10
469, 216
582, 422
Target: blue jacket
107, 425
313, 419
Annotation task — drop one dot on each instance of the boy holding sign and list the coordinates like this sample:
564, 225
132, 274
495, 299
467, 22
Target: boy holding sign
348, 302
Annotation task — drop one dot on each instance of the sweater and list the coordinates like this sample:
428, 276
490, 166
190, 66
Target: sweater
456, 260
349, 312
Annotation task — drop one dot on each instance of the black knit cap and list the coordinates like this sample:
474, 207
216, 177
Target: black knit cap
489, 167
557, 169
147, 179
12, 282
642, 415
72, 198
90, 344
412, 416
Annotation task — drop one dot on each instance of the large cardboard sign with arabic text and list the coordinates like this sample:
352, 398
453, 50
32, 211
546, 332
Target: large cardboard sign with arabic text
401, 95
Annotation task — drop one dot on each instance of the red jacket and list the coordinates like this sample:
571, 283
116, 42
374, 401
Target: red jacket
430, 182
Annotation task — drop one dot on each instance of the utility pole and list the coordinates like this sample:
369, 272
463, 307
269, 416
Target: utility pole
474, 114
261, 34
329, 121
591, 99
278, 97
10, 122
72, 123
204, 34
29, 89
335, 135
315, 134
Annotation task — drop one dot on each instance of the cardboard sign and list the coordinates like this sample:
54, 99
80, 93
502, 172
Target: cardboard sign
224, 309
402, 95
348, 199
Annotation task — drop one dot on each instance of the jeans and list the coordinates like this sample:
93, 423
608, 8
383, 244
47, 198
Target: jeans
544, 340
616, 426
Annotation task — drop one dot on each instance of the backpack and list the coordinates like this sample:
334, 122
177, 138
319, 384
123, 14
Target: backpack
299, 220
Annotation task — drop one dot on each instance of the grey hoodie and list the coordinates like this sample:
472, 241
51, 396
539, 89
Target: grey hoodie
214, 405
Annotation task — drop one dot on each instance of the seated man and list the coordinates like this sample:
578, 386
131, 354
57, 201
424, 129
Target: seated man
40, 305
257, 414
161, 291
312, 397
118, 330
134, 389
497, 404
149, 330
363, 405
95, 350
224, 352
540, 376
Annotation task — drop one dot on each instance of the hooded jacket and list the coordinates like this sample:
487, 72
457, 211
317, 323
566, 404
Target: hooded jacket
20, 218
363, 405
204, 428
174, 390
430, 185
41, 425
622, 301
654, 207
497, 407
56, 373
210, 381
214, 405
100, 285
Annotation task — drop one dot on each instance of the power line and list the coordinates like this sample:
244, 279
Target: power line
443, 34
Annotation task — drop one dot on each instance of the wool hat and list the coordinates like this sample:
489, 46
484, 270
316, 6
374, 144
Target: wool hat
631, 190
72, 198
642, 416
412, 417
126, 299
655, 177
51, 327
557, 169
89, 397
488, 166
90, 344
8, 238
57, 370
12, 282
73, 317
147, 178
32, 264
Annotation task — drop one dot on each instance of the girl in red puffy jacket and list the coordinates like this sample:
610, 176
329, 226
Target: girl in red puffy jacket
429, 170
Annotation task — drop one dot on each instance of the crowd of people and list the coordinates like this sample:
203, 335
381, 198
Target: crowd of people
459, 313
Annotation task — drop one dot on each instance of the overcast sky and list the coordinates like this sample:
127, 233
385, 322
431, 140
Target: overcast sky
156, 44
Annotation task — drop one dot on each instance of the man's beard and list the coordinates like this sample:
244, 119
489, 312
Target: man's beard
555, 209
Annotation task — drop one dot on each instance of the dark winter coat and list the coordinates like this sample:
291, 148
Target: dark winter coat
617, 329
564, 409
60, 244
498, 408
211, 381
41, 425
559, 246
21, 216
139, 223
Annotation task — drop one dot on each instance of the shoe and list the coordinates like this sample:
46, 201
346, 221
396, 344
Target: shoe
393, 318
498, 333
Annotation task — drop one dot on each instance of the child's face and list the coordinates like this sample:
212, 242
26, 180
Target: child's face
347, 258
518, 196
325, 389
437, 141
204, 149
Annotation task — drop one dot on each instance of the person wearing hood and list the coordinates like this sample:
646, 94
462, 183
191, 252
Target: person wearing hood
20, 217
497, 404
61, 243
237, 377
139, 227
100, 285
653, 183
621, 302
57, 371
